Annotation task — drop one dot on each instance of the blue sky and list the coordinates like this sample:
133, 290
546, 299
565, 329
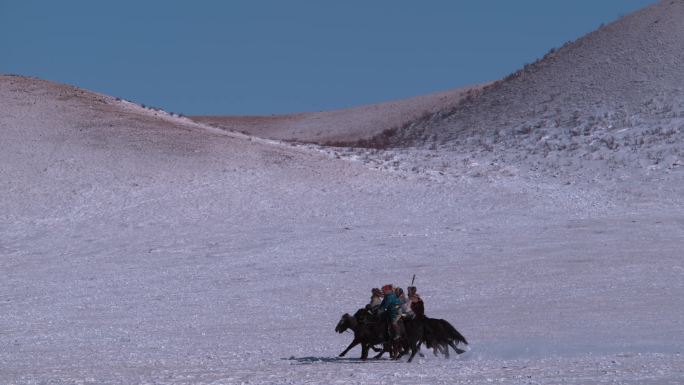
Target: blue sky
267, 57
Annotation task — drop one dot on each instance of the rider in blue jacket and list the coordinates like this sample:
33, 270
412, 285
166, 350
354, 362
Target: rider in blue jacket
390, 304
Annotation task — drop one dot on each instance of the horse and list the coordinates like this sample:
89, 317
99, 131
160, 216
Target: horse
440, 334
367, 332
412, 331
370, 331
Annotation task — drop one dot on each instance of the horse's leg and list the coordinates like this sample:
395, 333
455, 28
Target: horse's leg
438, 347
455, 347
397, 350
385, 348
353, 343
400, 353
404, 350
400, 349
364, 351
433, 345
414, 350
419, 352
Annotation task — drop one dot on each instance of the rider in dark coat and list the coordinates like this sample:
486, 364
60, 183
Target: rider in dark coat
417, 305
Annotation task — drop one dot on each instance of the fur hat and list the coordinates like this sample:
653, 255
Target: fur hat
387, 288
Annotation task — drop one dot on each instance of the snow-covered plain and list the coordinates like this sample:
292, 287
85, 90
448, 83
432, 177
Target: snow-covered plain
142, 248
137, 247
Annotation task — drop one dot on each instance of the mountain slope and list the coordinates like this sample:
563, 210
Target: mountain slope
616, 93
339, 126
66, 151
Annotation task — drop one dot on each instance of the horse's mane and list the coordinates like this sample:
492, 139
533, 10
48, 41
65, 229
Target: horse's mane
361, 313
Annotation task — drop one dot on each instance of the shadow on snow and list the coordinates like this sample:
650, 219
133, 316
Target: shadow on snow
329, 360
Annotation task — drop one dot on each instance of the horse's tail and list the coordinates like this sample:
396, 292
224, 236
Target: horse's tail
452, 332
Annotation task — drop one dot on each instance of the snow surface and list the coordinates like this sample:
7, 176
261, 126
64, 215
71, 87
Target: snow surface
139, 247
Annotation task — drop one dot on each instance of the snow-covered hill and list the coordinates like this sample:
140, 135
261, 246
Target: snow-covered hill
615, 96
68, 152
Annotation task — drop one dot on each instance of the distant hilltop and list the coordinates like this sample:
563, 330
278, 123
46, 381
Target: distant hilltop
621, 85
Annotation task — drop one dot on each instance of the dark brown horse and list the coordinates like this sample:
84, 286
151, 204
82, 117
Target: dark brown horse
370, 330
439, 334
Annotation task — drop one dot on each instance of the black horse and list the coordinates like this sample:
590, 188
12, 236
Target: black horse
436, 334
370, 330
439, 334
412, 332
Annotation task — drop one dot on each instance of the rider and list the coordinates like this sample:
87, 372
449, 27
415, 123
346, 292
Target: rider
405, 303
390, 304
416, 303
375, 300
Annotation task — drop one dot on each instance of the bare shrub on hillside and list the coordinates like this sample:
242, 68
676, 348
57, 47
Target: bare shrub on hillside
610, 142
381, 141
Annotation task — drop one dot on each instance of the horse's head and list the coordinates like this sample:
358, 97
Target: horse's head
344, 323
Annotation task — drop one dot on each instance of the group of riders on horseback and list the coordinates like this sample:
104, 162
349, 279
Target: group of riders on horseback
394, 303
397, 322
